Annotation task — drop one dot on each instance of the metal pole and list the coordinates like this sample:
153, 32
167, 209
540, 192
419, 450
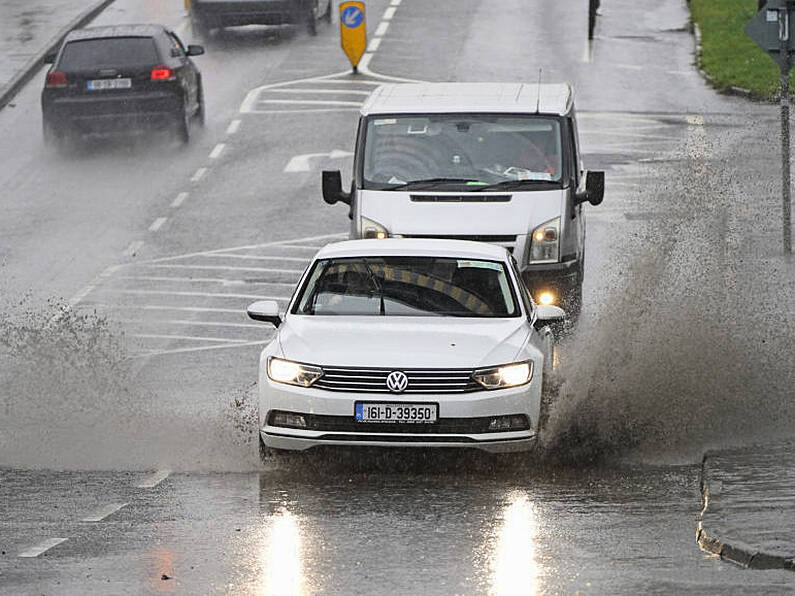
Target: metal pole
785, 142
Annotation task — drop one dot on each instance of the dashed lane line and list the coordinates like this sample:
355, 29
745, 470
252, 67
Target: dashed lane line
155, 479
157, 224
381, 30
375, 43
206, 280
263, 257
217, 151
200, 349
41, 547
202, 294
233, 127
224, 268
179, 199
191, 323
222, 340
198, 175
103, 512
389, 13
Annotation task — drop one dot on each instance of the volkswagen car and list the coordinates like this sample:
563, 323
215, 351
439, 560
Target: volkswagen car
406, 343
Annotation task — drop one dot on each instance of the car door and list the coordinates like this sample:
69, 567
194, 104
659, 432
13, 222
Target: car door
189, 70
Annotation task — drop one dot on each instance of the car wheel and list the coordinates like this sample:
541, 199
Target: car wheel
327, 16
311, 24
549, 392
53, 137
183, 125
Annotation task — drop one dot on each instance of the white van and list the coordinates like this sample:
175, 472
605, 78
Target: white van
491, 162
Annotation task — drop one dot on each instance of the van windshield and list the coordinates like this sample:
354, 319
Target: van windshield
461, 152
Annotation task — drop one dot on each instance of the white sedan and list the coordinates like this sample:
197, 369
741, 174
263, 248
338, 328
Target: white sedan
406, 343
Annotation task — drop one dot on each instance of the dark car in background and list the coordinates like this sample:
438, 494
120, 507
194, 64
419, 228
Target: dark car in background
216, 14
120, 79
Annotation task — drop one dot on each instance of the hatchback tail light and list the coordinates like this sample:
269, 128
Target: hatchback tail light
162, 73
55, 78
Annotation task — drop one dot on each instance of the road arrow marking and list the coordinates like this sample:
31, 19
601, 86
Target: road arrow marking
301, 163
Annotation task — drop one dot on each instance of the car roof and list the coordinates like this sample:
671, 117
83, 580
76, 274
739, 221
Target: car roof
522, 98
408, 247
139, 30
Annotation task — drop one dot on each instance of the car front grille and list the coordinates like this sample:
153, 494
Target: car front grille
373, 380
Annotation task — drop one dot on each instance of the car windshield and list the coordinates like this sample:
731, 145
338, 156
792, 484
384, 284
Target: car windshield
461, 151
408, 286
110, 52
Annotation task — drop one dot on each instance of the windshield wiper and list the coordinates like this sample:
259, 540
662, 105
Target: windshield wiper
378, 287
431, 182
513, 184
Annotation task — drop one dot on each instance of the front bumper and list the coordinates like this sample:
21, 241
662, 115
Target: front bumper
246, 12
559, 278
460, 421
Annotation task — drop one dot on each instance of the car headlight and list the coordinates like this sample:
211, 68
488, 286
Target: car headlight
292, 373
373, 229
545, 243
509, 375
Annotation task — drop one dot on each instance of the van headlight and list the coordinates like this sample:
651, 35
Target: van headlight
373, 229
509, 375
292, 373
545, 243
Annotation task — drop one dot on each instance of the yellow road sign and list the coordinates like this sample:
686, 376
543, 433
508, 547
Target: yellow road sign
353, 31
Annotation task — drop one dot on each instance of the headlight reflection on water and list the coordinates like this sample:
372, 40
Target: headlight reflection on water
513, 564
282, 557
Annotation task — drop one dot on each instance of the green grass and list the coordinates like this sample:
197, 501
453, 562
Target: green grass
728, 55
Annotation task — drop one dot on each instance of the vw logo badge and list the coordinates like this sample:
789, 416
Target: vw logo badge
397, 381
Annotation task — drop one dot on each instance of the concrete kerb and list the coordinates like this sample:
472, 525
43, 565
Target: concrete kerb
740, 554
30, 68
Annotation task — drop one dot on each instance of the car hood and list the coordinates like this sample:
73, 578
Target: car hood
402, 342
399, 214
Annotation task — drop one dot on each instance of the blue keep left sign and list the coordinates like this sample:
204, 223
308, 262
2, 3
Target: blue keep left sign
352, 17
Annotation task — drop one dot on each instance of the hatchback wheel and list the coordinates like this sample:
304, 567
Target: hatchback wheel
183, 125
200, 112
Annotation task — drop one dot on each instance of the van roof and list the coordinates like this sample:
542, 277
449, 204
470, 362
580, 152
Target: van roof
434, 98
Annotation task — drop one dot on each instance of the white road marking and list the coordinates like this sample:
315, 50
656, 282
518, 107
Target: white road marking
227, 268
262, 257
202, 348
236, 311
695, 120
396, 2
217, 150
233, 127
190, 323
180, 198
202, 294
301, 163
251, 97
104, 512
309, 102
380, 31
306, 111
389, 13
134, 247
155, 479
204, 280
275, 244
198, 175
322, 91
222, 340
157, 224
374, 44
74, 300
41, 547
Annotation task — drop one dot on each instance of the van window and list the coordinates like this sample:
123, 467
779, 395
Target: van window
469, 151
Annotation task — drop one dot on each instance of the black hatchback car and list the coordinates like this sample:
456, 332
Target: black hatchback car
107, 80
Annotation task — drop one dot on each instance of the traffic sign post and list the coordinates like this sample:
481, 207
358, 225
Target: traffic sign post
353, 31
770, 29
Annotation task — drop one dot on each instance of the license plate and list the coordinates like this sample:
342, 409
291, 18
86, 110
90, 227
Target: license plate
102, 84
396, 412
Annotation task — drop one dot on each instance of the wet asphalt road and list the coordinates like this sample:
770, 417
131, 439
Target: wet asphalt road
170, 380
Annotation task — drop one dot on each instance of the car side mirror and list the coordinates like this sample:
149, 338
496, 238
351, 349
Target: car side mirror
265, 310
332, 188
50, 58
195, 50
546, 314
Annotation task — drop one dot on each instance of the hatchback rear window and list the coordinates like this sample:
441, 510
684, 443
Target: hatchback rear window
111, 52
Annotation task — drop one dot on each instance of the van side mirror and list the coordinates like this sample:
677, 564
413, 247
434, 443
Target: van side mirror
50, 58
332, 188
265, 310
195, 50
595, 187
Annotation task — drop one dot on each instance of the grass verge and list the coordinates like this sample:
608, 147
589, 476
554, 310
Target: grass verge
728, 55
